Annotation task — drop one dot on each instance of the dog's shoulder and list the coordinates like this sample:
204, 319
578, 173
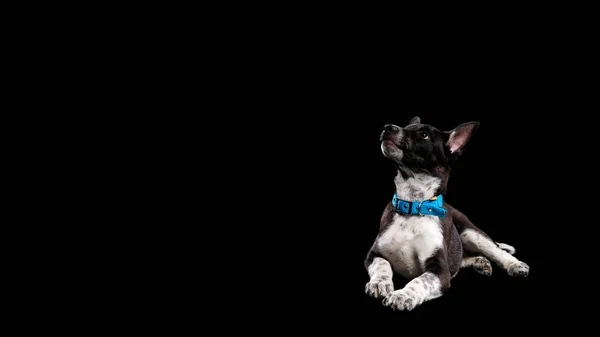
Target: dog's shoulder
387, 217
456, 218
453, 213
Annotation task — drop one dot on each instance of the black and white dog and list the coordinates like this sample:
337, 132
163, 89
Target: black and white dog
421, 237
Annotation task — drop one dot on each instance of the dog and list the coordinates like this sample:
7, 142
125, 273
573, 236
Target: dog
421, 237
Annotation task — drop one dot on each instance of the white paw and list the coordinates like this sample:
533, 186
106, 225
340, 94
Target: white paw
520, 269
482, 266
400, 300
380, 287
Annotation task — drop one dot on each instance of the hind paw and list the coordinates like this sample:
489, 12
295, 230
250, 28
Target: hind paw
518, 269
482, 266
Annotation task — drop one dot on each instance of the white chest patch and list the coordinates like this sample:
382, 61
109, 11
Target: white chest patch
409, 241
419, 187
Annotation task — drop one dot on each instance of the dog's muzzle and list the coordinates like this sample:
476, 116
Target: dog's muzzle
391, 132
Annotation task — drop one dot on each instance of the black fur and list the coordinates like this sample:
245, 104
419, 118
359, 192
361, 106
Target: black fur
438, 265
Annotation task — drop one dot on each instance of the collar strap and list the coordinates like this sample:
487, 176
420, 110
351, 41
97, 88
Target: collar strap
433, 206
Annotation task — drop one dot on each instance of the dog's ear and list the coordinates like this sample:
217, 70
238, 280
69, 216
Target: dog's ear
459, 136
415, 120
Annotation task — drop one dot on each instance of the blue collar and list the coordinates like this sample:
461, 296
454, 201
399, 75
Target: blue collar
433, 206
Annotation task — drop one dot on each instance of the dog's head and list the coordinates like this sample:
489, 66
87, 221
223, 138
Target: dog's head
423, 148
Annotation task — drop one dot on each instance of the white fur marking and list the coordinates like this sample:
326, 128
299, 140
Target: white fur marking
421, 289
417, 188
479, 263
474, 241
381, 283
468, 262
508, 248
409, 241
380, 267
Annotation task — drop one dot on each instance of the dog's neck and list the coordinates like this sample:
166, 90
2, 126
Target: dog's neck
418, 186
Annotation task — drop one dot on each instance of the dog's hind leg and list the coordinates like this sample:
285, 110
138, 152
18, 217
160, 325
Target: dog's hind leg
479, 263
477, 242
508, 248
380, 273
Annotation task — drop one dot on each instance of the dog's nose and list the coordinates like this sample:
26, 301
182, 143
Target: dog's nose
391, 128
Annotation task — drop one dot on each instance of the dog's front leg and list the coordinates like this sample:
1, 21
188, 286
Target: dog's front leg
380, 274
433, 283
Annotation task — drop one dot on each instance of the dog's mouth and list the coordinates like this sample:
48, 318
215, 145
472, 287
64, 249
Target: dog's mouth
386, 136
391, 146
392, 143
392, 139
391, 150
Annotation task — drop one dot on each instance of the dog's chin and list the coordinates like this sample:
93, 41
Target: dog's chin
391, 150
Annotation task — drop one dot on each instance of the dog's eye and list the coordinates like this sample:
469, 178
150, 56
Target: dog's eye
424, 134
